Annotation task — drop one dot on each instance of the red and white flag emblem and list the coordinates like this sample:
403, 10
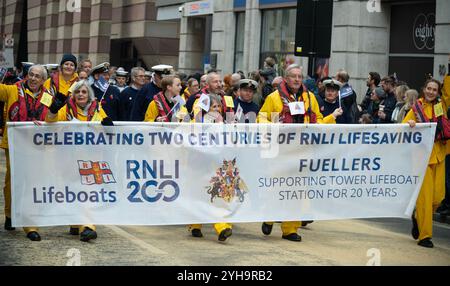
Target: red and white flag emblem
95, 173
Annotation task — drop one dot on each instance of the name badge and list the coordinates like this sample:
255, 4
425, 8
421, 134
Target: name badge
46, 99
297, 107
438, 111
229, 101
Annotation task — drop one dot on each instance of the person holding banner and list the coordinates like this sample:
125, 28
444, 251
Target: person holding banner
293, 103
107, 96
429, 108
80, 106
62, 80
211, 112
167, 103
24, 102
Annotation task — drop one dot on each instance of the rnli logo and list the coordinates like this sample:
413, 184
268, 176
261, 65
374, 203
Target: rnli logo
95, 173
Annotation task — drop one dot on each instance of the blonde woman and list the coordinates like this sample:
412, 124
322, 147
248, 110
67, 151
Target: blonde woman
411, 96
399, 92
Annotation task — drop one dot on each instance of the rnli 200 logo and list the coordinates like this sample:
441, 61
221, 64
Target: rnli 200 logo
151, 181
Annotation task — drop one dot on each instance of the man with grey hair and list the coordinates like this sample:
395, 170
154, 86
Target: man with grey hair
213, 85
129, 94
235, 78
23, 103
203, 81
281, 103
148, 91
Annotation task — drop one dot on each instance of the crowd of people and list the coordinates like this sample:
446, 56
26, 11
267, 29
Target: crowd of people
75, 90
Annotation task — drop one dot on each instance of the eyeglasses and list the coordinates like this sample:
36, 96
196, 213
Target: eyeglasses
81, 91
294, 76
36, 76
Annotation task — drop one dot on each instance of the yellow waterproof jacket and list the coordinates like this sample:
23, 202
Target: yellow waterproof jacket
9, 94
63, 84
153, 112
186, 94
440, 150
63, 116
273, 103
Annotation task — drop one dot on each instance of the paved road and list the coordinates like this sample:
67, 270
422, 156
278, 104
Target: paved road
345, 242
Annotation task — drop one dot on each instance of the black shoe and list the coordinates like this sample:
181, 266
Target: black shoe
8, 225
34, 236
224, 234
415, 228
306, 222
293, 237
426, 242
74, 231
266, 228
197, 232
88, 234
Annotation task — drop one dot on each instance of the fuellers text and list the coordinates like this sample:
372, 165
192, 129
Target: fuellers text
344, 164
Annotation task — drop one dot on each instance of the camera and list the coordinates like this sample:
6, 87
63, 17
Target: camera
180, 9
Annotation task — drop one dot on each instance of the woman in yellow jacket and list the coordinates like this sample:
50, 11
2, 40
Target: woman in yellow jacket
276, 109
62, 80
433, 186
81, 106
214, 115
162, 108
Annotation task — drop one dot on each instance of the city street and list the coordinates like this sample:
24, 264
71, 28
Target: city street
348, 242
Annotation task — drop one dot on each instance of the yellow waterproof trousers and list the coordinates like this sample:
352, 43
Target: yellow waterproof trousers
7, 193
288, 227
218, 227
431, 194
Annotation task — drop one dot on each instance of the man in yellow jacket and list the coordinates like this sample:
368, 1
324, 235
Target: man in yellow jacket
277, 109
22, 103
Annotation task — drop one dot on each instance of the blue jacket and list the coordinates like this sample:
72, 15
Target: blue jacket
127, 98
143, 99
109, 101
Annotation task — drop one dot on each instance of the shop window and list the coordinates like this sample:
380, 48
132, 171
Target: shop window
278, 37
239, 43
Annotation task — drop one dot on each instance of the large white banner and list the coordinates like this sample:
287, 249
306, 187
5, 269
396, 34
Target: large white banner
161, 174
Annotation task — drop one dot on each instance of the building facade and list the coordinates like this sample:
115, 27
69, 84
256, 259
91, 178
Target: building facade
124, 33
410, 38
